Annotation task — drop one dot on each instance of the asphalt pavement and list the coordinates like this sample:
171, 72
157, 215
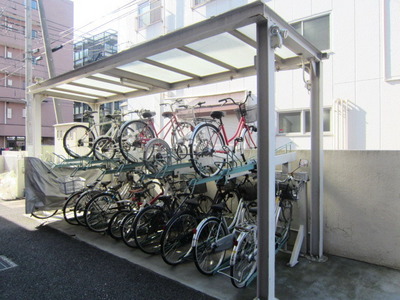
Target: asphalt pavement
45, 264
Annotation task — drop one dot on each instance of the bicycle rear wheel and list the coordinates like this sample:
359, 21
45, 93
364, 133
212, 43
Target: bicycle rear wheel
104, 148
177, 237
132, 138
148, 228
78, 141
207, 150
206, 258
243, 262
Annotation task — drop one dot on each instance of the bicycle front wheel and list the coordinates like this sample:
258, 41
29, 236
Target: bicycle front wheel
104, 148
243, 262
80, 206
177, 237
127, 230
69, 206
246, 145
99, 211
114, 226
78, 141
180, 139
157, 155
132, 138
207, 150
148, 228
206, 256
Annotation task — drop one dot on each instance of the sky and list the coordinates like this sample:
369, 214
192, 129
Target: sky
93, 12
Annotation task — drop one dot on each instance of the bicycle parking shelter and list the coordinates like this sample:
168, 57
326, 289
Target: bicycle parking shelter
243, 42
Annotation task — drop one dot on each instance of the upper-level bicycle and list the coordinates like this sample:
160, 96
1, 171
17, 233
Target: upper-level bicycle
136, 133
211, 149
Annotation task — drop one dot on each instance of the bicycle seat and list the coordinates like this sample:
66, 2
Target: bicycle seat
167, 114
148, 114
217, 114
105, 183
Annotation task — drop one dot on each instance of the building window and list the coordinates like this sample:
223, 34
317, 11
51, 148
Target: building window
9, 54
24, 113
315, 30
299, 121
290, 122
326, 120
9, 82
149, 13
34, 34
9, 113
34, 4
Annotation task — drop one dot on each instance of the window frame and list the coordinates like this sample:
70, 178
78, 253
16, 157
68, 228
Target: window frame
303, 125
139, 20
204, 2
314, 17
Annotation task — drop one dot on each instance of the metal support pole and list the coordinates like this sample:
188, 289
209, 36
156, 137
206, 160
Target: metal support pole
266, 163
316, 230
29, 141
49, 59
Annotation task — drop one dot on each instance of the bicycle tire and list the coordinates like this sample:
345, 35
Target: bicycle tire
80, 206
148, 227
246, 143
243, 262
157, 155
180, 138
206, 259
284, 220
114, 226
176, 239
104, 148
99, 211
44, 213
127, 230
78, 141
132, 138
207, 152
69, 207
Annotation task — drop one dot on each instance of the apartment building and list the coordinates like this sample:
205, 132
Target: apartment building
59, 15
360, 78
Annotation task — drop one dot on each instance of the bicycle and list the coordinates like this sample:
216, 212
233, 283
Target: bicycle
151, 221
243, 262
210, 148
136, 133
215, 235
145, 194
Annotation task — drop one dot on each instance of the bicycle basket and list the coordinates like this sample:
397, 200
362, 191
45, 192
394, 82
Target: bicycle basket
250, 113
288, 190
248, 191
69, 185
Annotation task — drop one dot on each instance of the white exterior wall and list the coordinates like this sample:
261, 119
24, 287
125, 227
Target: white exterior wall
355, 72
361, 204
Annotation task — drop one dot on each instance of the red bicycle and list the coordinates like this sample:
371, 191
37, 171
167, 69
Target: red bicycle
210, 148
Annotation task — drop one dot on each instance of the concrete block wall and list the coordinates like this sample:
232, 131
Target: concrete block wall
362, 205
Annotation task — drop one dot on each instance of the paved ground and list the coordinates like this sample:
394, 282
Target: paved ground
82, 264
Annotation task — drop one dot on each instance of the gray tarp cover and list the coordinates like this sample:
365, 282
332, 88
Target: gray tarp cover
41, 185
